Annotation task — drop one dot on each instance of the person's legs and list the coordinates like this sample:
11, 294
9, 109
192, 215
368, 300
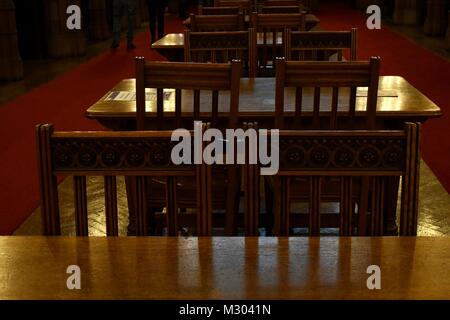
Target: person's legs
152, 20
117, 15
131, 13
182, 9
161, 12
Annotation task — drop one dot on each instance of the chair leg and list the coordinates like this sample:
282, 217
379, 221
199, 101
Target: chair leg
230, 211
268, 199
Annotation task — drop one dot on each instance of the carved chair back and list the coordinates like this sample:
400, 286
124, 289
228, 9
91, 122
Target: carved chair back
301, 45
245, 5
207, 23
222, 47
135, 154
282, 9
362, 161
214, 11
281, 3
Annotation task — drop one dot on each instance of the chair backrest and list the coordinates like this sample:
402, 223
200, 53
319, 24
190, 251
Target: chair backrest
277, 22
270, 36
186, 78
213, 11
245, 5
362, 161
282, 9
339, 76
306, 45
281, 3
222, 47
304, 4
135, 154
206, 23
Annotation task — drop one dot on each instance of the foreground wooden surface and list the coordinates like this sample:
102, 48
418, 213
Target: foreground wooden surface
224, 268
397, 98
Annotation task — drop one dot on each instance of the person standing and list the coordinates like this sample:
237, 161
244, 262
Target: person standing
119, 7
156, 11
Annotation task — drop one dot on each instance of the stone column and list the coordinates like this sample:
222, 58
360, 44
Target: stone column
435, 23
448, 32
144, 10
406, 11
11, 67
62, 42
98, 24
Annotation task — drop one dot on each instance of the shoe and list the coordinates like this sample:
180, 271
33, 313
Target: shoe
131, 46
114, 45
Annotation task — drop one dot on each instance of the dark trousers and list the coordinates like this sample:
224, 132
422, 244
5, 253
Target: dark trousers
119, 6
156, 9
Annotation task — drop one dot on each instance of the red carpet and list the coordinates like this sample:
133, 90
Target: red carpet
425, 70
64, 100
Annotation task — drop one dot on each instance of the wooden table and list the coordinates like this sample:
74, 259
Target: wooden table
224, 268
171, 46
398, 101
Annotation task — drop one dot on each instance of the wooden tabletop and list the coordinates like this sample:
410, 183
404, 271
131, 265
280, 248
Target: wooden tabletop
397, 98
224, 268
176, 41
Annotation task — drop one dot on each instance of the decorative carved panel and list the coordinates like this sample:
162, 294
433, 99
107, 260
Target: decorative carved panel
341, 153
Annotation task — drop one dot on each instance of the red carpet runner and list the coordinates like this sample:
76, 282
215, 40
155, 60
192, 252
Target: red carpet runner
64, 100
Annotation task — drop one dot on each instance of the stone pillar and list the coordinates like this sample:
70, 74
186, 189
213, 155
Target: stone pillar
406, 11
98, 24
448, 32
144, 10
435, 23
62, 42
138, 14
11, 67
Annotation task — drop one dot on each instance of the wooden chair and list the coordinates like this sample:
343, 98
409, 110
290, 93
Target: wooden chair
214, 11
270, 29
281, 3
283, 9
324, 74
338, 80
189, 77
208, 23
350, 156
304, 4
245, 5
109, 154
302, 45
187, 80
222, 47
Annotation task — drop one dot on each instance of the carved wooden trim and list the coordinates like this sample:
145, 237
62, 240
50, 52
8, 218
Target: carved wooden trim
347, 151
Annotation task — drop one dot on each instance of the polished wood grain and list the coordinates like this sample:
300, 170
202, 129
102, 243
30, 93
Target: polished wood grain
224, 268
176, 41
397, 98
